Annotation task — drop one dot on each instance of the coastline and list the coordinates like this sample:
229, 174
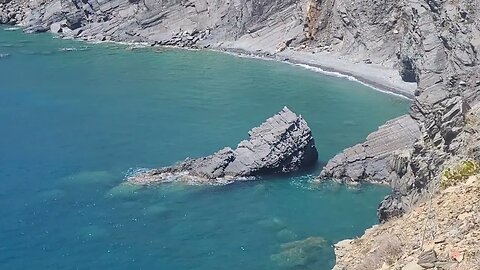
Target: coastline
374, 76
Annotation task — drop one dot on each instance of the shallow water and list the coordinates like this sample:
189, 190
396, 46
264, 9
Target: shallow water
76, 117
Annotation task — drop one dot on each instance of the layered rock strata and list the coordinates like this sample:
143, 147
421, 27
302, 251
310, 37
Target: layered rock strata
282, 144
374, 159
440, 42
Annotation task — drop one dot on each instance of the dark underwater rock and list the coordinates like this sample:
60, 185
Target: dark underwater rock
282, 144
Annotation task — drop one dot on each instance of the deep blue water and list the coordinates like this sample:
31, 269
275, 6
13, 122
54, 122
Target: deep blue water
74, 122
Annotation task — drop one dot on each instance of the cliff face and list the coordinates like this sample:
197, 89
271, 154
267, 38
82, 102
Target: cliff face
175, 22
438, 47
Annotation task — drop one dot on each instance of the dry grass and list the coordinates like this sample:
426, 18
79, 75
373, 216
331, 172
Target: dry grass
387, 249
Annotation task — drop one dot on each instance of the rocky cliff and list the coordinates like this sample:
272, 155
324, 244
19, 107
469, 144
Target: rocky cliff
439, 44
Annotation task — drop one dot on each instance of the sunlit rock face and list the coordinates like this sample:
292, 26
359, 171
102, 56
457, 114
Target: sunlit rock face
282, 144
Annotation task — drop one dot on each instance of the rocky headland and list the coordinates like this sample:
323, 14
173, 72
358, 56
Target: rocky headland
432, 44
282, 144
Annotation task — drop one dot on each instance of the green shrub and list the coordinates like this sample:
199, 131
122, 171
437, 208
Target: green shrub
459, 173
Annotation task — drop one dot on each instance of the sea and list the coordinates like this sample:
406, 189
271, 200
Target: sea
77, 118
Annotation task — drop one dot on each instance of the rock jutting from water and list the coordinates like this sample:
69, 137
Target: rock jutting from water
282, 144
374, 158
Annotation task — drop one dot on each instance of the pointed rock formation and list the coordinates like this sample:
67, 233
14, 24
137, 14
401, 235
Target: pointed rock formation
282, 144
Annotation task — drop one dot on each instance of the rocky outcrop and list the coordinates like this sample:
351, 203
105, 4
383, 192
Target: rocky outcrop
282, 144
374, 159
441, 233
195, 23
438, 43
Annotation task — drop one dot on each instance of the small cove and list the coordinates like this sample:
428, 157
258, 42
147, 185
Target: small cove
77, 117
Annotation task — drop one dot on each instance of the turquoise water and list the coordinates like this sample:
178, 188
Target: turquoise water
74, 122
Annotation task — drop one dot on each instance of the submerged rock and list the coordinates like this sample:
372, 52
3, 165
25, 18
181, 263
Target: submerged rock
299, 253
124, 190
286, 235
157, 210
88, 178
273, 224
282, 144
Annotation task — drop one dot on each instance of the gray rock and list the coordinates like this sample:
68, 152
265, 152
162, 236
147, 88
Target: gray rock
4, 19
407, 69
391, 206
427, 259
371, 160
36, 29
282, 144
56, 28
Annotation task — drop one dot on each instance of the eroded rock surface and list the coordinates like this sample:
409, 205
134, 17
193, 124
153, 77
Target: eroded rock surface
373, 159
441, 233
282, 144
437, 46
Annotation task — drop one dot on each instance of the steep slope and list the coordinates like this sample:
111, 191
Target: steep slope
442, 232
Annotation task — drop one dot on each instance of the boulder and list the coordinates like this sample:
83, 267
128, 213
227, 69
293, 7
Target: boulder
391, 206
56, 28
299, 254
282, 144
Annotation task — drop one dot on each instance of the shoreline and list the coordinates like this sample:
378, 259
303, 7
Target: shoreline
385, 80
354, 71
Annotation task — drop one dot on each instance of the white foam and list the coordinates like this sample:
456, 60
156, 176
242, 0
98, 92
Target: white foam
73, 49
348, 77
306, 182
315, 69
11, 28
